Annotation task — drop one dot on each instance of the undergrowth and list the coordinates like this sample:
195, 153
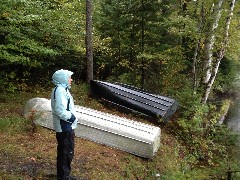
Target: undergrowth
32, 155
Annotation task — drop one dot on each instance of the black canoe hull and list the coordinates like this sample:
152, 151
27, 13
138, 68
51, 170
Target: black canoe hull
136, 99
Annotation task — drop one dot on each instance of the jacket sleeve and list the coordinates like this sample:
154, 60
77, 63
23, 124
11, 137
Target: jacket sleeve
61, 101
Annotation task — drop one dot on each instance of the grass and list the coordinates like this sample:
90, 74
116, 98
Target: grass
27, 155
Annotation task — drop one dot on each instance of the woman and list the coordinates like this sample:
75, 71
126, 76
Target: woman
64, 122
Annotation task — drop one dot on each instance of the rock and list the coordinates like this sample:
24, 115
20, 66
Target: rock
35, 106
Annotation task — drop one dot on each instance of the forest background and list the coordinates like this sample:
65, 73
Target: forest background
185, 49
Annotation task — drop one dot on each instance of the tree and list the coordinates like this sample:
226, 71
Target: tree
207, 44
20, 48
38, 37
220, 53
210, 40
89, 48
140, 35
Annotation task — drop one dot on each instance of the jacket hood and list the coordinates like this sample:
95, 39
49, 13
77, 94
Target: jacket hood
60, 77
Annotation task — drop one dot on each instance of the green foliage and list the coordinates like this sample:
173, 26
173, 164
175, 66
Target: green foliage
38, 37
143, 43
227, 79
198, 128
19, 44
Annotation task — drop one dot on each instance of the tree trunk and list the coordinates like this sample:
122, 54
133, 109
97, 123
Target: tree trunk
142, 48
194, 72
209, 42
195, 55
220, 53
89, 51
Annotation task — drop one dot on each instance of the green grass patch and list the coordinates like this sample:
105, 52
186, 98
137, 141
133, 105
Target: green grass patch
14, 125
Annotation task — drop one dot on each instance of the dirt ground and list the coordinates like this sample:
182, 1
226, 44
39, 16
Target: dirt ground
34, 156
31, 154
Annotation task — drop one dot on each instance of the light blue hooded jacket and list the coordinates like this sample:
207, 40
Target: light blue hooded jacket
64, 118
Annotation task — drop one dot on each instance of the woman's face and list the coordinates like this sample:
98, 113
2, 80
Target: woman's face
70, 80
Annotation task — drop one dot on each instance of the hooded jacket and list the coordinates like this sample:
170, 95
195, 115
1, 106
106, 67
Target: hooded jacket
62, 104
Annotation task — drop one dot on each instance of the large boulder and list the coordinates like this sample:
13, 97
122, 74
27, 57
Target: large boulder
36, 106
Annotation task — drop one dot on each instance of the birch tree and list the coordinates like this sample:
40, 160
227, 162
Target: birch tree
220, 54
210, 40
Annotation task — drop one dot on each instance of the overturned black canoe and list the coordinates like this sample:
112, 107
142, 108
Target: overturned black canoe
135, 99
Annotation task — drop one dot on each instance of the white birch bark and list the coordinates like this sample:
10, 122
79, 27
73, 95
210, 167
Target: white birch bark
209, 42
220, 54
